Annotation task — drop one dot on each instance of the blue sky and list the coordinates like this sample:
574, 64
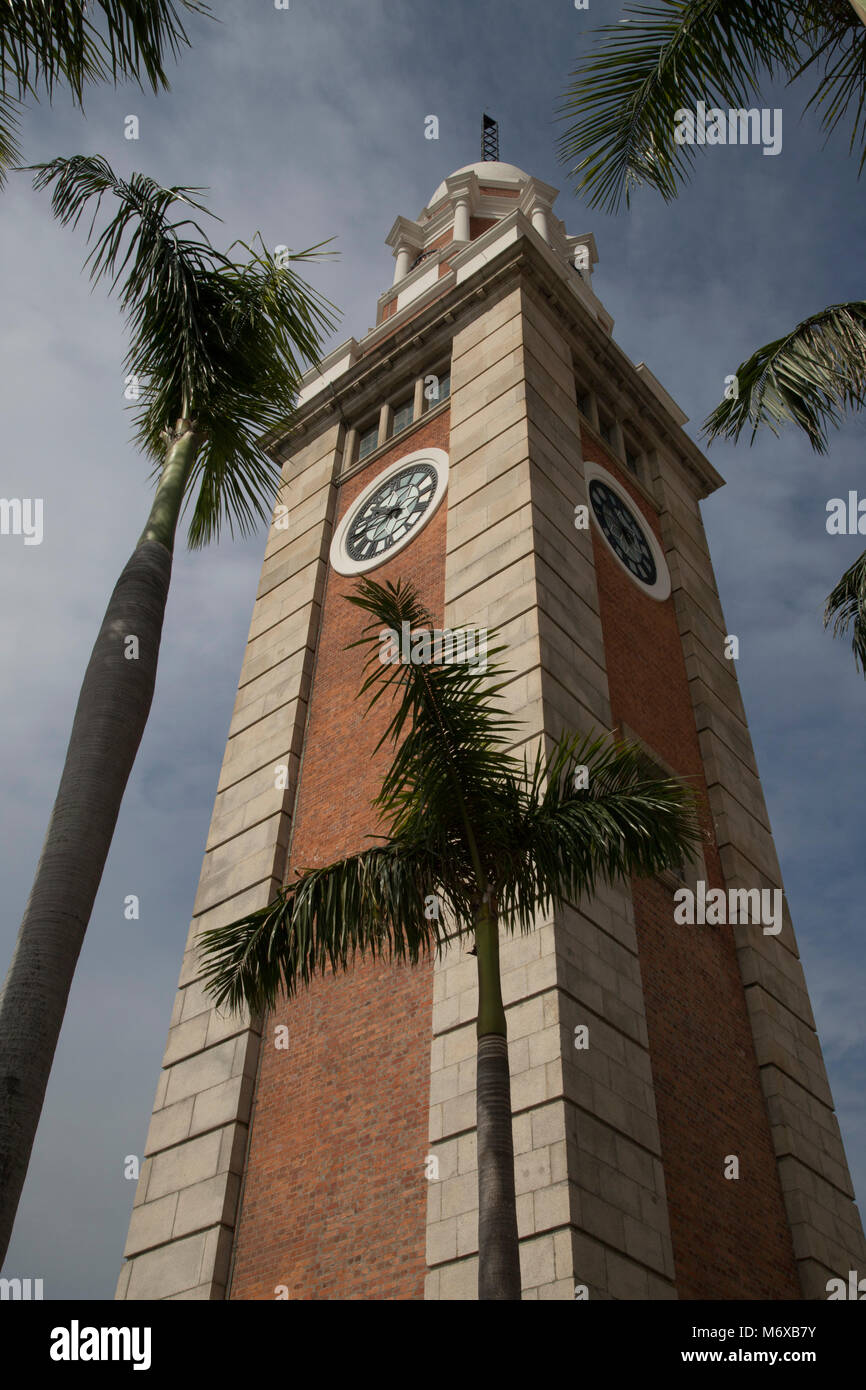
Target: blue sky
307, 124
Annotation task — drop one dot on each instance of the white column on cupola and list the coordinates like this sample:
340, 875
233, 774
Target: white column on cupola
461, 219
539, 221
404, 260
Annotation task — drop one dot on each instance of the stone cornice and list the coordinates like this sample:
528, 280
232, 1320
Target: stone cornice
406, 231
603, 362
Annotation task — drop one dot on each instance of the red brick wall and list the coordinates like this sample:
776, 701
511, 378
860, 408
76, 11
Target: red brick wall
479, 225
730, 1237
335, 1199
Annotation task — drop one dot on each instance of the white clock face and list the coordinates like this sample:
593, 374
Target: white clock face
390, 512
626, 534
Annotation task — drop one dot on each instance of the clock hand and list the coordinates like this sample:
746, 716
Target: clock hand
398, 499
377, 517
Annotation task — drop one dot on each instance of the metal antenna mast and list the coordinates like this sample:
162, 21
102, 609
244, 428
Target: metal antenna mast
489, 138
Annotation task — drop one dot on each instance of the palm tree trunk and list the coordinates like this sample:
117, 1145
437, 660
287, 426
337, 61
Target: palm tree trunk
498, 1248
110, 718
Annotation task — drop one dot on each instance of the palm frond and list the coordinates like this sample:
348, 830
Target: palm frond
624, 97
372, 903
846, 608
10, 150
808, 378
447, 725
166, 271
268, 327
837, 39
630, 820
470, 823
220, 343
43, 42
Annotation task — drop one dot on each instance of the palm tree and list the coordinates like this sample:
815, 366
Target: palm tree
80, 43
622, 108
494, 838
216, 350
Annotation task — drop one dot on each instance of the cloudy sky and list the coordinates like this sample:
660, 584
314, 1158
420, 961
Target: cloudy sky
305, 124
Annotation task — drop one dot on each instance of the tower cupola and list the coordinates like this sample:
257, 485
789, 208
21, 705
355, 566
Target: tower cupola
487, 201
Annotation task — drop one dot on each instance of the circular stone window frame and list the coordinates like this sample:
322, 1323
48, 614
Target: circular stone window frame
341, 561
661, 589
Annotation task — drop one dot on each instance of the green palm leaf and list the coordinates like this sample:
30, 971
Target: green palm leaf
465, 820
79, 42
447, 727
846, 608
629, 821
82, 41
372, 903
220, 343
624, 96
622, 100
837, 39
10, 150
808, 378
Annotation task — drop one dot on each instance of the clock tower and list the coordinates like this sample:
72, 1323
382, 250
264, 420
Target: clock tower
674, 1130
